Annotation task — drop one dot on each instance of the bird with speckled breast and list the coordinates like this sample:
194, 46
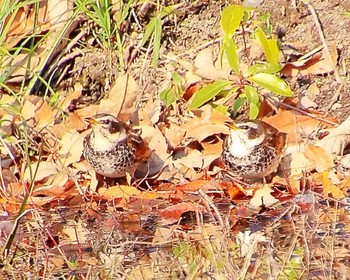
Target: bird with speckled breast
253, 149
113, 148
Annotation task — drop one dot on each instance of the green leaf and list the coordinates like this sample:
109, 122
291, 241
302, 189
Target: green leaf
269, 46
207, 93
252, 94
168, 96
231, 18
272, 83
263, 68
254, 101
239, 103
221, 108
254, 109
230, 49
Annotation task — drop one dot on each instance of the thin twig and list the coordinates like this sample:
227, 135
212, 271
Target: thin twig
213, 206
300, 111
322, 37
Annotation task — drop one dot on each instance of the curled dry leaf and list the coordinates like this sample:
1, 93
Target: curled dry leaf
296, 163
175, 211
337, 140
207, 123
195, 159
23, 22
159, 151
329, 188
315, 62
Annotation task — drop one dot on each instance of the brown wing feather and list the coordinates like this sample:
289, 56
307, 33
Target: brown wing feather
140, 146
274, 138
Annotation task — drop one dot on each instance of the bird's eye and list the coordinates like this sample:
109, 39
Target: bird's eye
106, 121
244, 127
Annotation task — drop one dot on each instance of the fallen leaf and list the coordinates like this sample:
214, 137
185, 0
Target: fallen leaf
71, 146
320, 158
337, 140
296, 163
24, 20
209, 122
122, 97
262, 197
39, 170
204, 66
175, 211
295, 125
316, 62
118, 192
329, 188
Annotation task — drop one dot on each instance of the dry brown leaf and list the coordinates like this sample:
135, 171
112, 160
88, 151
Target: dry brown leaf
337, 140
329, 188
204, 66
18, 67
122, 97
320, 158
315, 62
44, 115
40, 170
209, 122
67, 100
262, 197
296, 163
158, 145
295, 125
23, 23
174, 134
175, 211
71, 146
196, 159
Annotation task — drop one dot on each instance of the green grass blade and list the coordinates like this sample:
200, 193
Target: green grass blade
156, 41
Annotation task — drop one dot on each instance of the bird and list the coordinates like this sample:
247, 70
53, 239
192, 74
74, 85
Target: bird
113, 148
253, 149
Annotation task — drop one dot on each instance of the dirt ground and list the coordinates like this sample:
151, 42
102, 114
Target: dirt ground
195, 26
300, 26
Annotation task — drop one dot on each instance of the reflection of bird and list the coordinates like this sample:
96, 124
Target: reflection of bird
253, 149
113, 148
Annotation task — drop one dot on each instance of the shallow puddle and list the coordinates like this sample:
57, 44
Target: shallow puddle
304, 237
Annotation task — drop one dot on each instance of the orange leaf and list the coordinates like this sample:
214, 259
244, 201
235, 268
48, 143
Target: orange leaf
294, 125
175, 211
118, 192
315, 62
329, 188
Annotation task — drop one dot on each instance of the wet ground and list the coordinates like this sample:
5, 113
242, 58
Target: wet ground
304, 238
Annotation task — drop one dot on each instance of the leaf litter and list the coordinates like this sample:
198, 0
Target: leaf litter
185, 147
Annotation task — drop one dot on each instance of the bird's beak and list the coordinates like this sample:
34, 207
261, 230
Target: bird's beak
231, 125
91, 121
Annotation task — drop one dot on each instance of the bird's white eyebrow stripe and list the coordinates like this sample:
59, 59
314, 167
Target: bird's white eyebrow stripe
250, 124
